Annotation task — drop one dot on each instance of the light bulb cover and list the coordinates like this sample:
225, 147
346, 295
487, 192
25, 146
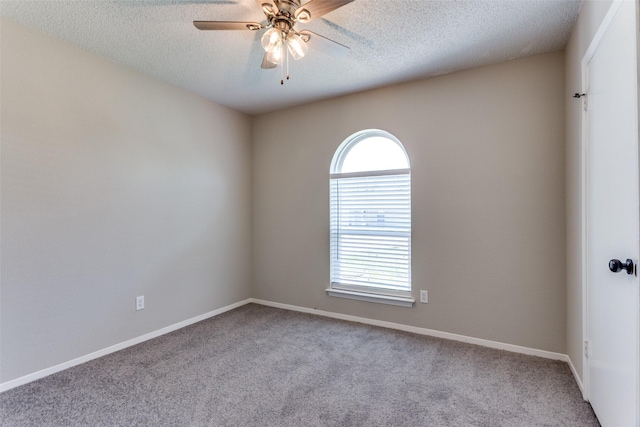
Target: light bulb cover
275, 56
297, 47
272, 40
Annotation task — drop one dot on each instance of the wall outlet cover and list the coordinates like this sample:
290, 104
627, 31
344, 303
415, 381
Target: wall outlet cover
140, 302
424, 296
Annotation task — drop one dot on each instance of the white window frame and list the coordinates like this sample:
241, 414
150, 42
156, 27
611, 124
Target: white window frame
378, 294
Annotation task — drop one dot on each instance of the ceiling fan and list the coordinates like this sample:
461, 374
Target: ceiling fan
281, 39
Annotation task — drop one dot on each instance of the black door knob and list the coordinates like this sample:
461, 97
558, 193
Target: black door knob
616, 265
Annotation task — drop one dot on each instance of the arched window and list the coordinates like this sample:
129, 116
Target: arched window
370, 192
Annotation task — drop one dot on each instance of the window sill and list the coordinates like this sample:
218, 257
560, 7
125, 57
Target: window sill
381, 299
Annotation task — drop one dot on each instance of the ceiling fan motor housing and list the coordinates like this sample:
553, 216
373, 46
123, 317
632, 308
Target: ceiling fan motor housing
282, 24
286, 16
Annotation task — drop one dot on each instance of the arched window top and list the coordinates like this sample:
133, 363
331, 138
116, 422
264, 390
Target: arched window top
369, 150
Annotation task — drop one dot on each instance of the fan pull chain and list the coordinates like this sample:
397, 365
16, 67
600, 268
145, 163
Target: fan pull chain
287, 62
284, 47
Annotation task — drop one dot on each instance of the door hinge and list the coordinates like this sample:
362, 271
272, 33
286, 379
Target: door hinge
586, 349
585, 104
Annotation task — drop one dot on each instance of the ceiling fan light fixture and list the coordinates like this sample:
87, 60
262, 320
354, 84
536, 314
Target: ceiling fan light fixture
297, 47
281, 40
271, 40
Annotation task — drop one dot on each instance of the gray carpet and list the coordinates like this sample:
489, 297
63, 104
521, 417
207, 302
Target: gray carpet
260, 366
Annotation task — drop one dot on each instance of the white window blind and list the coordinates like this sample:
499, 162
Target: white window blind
371, 232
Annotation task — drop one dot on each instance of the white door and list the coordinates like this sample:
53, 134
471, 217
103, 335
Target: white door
612, 222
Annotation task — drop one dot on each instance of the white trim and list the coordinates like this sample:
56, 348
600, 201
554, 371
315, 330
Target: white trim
604, 26
584, 240
365, 174
381, 290
421, 331
575, 376
116, 347
381, 299
586, 59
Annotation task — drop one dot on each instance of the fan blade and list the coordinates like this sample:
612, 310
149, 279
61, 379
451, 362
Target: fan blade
316, 8
226, 25
268, 7
266, 64
324, 44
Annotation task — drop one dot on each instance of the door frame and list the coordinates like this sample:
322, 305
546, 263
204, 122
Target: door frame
586, 59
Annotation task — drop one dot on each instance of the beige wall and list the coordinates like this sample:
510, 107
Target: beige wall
113, 185
487, 156
589, 20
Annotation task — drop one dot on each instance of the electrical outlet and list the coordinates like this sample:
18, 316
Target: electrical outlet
424, 296
140, 302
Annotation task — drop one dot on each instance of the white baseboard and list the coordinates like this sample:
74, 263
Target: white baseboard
414, 329
112, 349
421, 331
576, 376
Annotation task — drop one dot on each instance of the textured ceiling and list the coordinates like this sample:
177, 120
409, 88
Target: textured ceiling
391, 41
